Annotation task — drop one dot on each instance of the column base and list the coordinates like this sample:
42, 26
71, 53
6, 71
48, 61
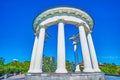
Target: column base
30, 71
35, 71
65, 76
88, 70
77, 68
97, 70
61, 70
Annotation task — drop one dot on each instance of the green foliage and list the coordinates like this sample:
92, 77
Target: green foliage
72, 67
68, 64
1, 70
2, 61
14, 67
118, 69
110, 69
81, 68
49, 65
2, 66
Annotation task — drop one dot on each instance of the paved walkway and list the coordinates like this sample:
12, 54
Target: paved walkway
18, 76
22, 76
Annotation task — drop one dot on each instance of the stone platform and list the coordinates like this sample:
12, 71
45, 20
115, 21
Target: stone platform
65, 76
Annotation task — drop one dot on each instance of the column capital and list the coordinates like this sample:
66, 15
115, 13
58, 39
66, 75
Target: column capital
38, 29
36, 34
75, 43
81, 24
89, 32
61, 20
42, 26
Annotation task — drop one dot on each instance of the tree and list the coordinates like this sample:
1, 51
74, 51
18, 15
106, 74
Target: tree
49, 64
109, 69
1, 70
2, 66
118, 70
68, 66
2, 61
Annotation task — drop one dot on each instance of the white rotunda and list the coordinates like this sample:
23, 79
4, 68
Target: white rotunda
62, 16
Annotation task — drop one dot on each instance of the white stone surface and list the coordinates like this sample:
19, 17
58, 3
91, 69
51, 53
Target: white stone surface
32, 63
63, 11
75, 46
64, 15
66, 18
39, 53
77, 68
85, 50
66, 76
93, 53
61, 65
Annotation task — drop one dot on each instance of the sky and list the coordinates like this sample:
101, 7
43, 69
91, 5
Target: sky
17, 35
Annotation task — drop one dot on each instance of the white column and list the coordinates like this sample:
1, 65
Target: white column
39, 52
76, 57
92, 53
61, 65
32, 63
85, 50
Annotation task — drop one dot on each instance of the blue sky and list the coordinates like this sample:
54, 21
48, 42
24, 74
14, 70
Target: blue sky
16, 33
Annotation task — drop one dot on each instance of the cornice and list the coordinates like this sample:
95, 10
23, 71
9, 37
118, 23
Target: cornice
62, 11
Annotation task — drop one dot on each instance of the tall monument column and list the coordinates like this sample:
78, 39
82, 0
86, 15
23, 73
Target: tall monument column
93, 53
39, 52
32, 63
61, 65
85, 50
76, 57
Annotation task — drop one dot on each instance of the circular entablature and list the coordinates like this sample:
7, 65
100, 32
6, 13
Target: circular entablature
62, 11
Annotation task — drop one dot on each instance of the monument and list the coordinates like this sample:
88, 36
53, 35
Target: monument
62, 16
75, 42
